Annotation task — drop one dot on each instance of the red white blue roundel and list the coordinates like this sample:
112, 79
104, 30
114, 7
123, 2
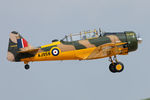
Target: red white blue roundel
55, 52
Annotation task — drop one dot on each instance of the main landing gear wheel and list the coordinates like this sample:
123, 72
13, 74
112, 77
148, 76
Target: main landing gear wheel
116, 67
27, 66
112, 67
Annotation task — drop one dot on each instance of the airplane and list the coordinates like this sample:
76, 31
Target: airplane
85, 45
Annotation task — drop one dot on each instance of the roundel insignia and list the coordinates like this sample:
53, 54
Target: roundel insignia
55, 52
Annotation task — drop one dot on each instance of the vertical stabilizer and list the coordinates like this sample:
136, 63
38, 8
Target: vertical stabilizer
16, 43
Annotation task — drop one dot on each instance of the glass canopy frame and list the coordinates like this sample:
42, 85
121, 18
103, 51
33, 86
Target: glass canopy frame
81, 36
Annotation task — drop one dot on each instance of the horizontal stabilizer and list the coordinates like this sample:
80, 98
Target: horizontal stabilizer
29, 51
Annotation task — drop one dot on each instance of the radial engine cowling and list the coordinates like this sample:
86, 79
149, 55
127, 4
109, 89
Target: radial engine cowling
132, 41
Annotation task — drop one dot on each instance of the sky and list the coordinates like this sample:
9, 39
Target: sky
41, 21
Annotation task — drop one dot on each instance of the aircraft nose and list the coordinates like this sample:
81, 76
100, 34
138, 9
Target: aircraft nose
140, 40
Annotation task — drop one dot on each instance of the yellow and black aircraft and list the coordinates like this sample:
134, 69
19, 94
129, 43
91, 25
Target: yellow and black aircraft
85, 45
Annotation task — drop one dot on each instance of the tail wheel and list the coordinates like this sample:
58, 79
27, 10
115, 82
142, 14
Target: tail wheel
116, 67
27, 66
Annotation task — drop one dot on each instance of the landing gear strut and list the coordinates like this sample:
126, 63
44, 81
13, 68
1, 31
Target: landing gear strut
27, 66
115, 66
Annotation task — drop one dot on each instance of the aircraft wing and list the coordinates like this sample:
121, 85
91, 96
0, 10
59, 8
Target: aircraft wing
109, 49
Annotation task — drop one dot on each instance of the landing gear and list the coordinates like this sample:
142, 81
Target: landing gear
27, 66
115, 66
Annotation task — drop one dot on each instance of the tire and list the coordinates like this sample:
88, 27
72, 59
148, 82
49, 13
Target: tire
26, 66
112, 67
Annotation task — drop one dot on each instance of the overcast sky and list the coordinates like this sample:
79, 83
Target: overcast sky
40, 21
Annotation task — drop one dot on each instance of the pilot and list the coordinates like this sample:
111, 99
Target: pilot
84, 37
94, 35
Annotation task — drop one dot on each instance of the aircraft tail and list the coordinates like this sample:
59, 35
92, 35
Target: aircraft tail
16, 43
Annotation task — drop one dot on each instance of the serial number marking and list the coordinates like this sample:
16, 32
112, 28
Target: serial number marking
44, 54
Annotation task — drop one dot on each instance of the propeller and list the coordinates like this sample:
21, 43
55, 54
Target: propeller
139, 39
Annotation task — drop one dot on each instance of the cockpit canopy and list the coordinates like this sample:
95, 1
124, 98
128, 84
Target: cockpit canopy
81, 36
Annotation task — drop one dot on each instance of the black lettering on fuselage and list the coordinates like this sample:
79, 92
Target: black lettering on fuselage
44, 54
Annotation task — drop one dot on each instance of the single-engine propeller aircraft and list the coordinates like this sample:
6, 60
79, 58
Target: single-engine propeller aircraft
86, 45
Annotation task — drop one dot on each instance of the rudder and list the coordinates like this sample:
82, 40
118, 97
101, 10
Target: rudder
16, 43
